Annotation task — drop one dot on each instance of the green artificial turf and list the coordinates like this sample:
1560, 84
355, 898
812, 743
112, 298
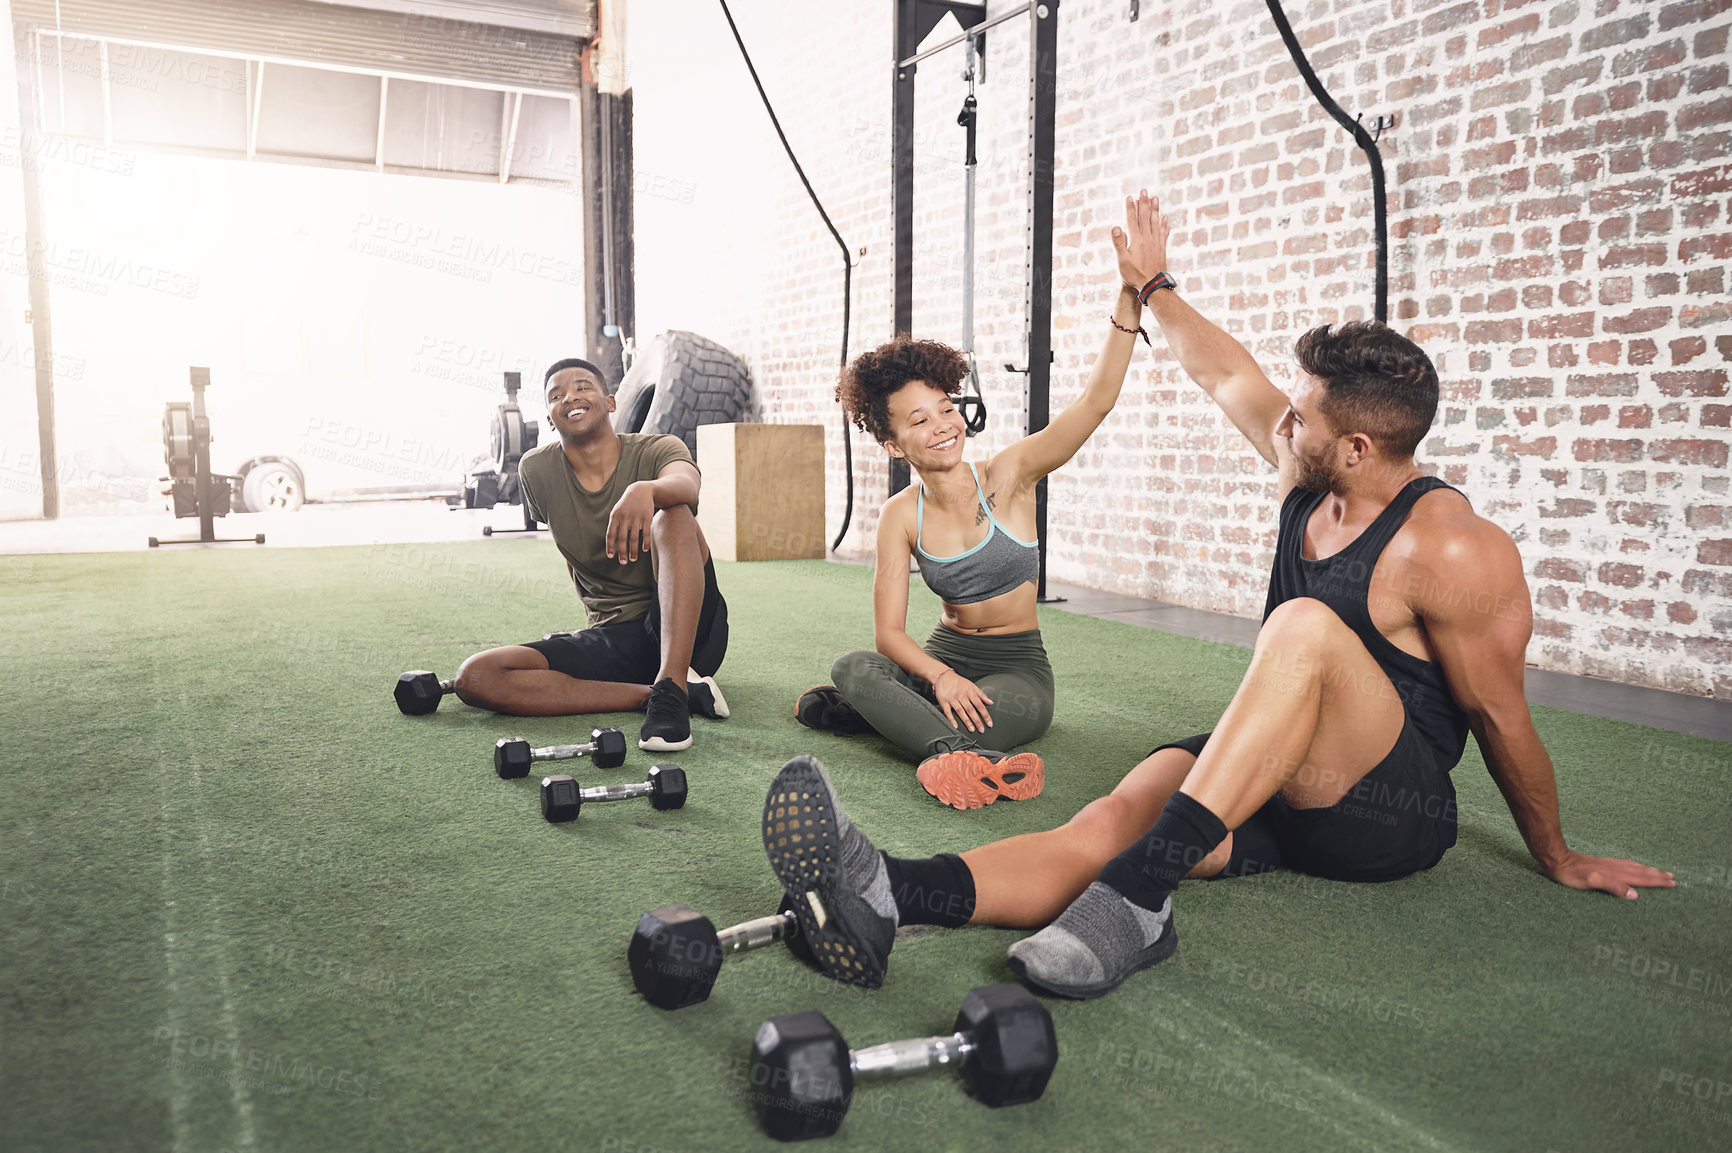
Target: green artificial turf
246, 905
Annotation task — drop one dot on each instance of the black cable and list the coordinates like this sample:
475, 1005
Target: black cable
847, 264
1368, 143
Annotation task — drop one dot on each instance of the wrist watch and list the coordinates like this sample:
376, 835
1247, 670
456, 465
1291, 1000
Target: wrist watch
1161, 280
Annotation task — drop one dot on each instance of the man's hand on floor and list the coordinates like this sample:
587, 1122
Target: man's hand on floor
1612, 875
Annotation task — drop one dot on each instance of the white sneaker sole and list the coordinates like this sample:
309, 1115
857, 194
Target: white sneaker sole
715, 691
660, 745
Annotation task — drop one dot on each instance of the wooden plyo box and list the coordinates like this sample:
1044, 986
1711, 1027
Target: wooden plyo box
763, 491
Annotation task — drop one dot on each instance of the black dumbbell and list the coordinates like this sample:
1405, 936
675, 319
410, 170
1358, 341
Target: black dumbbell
676, 953
803, 1072
418, 692
512, 756
562, 797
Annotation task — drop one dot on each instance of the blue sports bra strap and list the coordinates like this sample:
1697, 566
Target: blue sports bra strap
919, 515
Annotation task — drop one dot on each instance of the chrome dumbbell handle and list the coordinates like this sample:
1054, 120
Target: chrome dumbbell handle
561, 752
616, 792
762, 931
912, 1056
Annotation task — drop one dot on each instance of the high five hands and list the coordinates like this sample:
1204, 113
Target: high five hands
1141, 245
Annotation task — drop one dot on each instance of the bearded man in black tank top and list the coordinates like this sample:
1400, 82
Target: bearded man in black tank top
1397, 622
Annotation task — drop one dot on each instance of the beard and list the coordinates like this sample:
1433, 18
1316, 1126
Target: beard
1318, 475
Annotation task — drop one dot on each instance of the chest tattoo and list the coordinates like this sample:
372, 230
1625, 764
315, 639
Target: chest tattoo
980, 510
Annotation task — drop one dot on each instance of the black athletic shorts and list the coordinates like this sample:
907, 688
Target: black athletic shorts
631, 651
1399, 819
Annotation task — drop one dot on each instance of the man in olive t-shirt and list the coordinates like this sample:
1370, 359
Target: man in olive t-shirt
623, 512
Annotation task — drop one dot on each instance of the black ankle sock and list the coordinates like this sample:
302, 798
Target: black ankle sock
1149, 870
936, 891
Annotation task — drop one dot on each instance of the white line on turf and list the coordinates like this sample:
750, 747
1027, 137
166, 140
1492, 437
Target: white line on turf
188, 778
1379, 1116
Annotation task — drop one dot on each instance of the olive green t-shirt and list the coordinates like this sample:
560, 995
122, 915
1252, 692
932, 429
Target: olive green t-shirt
578, 520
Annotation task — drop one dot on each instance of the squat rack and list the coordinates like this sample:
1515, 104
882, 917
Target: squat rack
915, 19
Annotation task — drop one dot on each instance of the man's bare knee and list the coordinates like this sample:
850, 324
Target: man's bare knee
478, 677
471, 682
674, 524
1304, 622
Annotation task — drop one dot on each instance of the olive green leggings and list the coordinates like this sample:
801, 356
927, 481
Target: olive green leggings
1011, 669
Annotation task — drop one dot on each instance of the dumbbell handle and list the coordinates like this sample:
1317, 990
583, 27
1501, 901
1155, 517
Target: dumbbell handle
753, 934
561, 752
615, 792
912, 1056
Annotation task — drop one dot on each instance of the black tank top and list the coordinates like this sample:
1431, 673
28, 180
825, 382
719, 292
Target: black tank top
1342, 582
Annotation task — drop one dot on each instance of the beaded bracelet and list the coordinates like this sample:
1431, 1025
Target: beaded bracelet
1137, 331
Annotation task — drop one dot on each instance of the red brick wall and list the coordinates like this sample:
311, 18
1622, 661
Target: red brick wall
1559, 185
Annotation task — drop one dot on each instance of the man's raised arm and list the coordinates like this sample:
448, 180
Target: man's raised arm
1217, 362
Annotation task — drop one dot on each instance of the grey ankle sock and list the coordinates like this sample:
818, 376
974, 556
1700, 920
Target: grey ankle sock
1095, 943
861, 860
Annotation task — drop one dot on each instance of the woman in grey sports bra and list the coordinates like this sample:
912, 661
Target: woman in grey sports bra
981, 684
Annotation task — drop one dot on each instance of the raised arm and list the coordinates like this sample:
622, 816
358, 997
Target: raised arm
1478, 618
1140, 253
1219, 364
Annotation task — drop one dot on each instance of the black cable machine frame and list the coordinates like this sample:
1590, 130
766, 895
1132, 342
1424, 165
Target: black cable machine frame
1367, 142
915, 19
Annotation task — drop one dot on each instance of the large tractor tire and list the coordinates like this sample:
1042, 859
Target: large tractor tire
681, 381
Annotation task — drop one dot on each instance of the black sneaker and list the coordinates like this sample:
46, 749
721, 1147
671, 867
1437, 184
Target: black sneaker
667, 723
810, 841
823, 708
704, 696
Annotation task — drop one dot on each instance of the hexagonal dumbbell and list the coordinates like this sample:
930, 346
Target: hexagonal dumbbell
803, 1072
562, 798
512, 756
418, 692
676, 953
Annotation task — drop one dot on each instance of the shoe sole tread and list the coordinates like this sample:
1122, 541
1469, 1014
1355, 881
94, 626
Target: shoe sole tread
805, 852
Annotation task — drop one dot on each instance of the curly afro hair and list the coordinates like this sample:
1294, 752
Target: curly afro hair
868, 383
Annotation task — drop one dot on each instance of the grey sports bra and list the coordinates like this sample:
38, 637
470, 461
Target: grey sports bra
995, 566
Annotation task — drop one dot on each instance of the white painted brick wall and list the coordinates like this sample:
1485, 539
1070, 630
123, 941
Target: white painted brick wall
1559, 187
